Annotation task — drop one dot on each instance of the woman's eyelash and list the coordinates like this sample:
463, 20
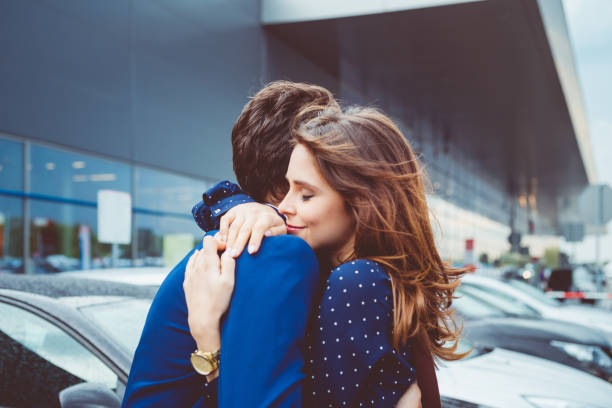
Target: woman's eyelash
306, 197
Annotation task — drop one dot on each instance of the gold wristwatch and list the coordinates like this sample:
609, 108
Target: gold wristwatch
205, 362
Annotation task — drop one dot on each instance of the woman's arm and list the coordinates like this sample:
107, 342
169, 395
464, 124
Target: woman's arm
249, 222
238, 217
411, 398
208, 286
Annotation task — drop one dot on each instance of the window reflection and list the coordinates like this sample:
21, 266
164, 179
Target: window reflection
452, 225
64, 237
11, 165
164, 241
161, 191
11, 235
65, 174
63, 217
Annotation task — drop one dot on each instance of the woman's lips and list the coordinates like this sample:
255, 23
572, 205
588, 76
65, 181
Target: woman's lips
294, 228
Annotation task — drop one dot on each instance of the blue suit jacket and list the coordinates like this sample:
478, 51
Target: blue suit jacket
261, 336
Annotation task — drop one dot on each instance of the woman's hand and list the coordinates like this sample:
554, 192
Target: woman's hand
411, 398
208, 285
249, 220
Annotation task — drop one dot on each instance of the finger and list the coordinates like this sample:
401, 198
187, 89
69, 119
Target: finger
274, 231
220, 243
210, 245
228, 269
210, 265
189, 267
209, 259
257, 236
242, 238
233, 232
226, 220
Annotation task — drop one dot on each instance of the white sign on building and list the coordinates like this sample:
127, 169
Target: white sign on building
114, 217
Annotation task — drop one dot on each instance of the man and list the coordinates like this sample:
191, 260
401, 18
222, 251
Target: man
262, 336
282, 277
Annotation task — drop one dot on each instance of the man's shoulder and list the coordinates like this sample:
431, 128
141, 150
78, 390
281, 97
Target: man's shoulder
286, 243
280, 251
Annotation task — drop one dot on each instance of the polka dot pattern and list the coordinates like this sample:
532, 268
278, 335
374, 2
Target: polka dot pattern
210, 392
349, 357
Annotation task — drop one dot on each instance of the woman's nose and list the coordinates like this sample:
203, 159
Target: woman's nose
285, 206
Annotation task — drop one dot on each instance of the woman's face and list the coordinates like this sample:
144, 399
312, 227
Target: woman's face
315, 211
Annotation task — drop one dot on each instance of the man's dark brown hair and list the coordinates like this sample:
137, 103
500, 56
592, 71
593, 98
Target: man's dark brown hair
261, 137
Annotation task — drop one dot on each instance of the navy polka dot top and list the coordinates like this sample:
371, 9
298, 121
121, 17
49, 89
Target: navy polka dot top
350, 361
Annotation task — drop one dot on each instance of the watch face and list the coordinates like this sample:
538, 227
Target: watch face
201, 365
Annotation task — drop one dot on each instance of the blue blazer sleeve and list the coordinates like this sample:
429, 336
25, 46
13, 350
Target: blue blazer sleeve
262, 338
262, 335
161, 374
215, 202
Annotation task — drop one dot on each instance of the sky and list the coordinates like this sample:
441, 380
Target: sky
590, 29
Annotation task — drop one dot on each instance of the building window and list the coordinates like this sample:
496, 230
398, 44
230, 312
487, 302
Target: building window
76, 176
11, 234
165, 192
11, 165
64, 237
165, 229
164, 241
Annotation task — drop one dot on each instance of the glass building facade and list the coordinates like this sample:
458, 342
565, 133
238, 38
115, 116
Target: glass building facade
49, 218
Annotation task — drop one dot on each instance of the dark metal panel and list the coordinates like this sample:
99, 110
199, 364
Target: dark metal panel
64, 75
193, 69
480, 72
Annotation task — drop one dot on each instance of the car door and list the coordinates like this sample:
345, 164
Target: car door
38, 359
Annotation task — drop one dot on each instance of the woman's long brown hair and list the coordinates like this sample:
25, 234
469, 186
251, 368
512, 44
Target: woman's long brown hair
363, 155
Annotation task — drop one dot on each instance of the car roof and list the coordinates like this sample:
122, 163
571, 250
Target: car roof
62, 286
530, 330
147, 276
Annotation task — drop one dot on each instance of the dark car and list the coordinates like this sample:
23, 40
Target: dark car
578, 278
70, 336
496, 322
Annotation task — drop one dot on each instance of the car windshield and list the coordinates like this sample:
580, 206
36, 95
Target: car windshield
533, 292
126, 330
508, 304
473, 308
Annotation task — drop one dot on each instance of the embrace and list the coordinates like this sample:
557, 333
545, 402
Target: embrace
340, 298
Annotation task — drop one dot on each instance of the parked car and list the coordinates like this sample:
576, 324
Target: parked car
144, 276
63, 335
494, 377
578, 278
491, 322
529, 297
67, 330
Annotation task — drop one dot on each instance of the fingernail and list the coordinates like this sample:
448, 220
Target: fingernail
268, 233
251, 249
234, 252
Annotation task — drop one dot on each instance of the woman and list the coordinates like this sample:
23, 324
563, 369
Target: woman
356, 196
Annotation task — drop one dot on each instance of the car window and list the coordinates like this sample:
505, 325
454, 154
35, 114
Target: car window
38, 360
126, 330
533, 292
473, 308
507, 303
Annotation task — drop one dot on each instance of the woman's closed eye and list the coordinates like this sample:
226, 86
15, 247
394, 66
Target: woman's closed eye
306, 197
